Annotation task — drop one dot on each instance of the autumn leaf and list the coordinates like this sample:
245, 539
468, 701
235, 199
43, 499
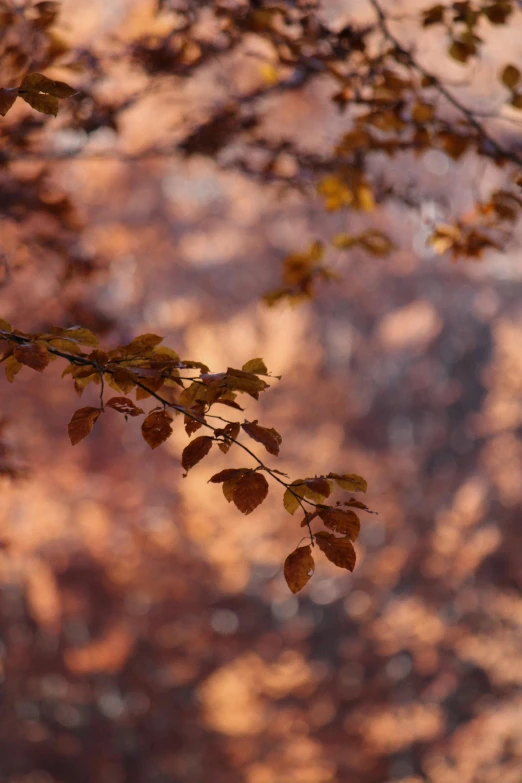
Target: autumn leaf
37, 82
7, 97
157, 428
346, 523
230, 431
12, 367
317, 489
78, 333
124, 405
256, 366
47, 104
351, 482
299, 567
269, 437
247, 491
194, 418
244, 382
142, 344
510, 77
228, 474
339, 551
292, 495
81, 424
32, 355
122, 380
195, 451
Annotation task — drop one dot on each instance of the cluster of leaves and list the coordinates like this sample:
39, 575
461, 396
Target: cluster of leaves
189, 390
461, 18
40, 92
393, 103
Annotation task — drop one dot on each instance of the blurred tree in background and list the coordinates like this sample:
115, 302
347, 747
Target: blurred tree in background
186, 171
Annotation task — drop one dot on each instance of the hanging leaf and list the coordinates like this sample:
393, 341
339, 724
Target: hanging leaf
299, 567
269, 437
247, 492
339, 551
230, 431
125, 406
195, 451
32, 355
292, 495
7, 98
346, 523
46, 104
12, 367
350, 482
194, 418
157, 428
81, 424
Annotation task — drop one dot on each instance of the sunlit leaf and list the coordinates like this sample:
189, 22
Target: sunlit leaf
350, 482
299, 567
195, 451
32, 355
269, 437
339, 551
247, 492
156, 428
124, 405
346, 523
82, 422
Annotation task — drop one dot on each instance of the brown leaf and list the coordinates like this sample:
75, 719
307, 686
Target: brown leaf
247, 491
37, 82
7, 97
142, 344
244, 382
47, 104
195, 451
345, 522
157, 428
319, 487
192, 424
230, 431
350, 482
510, 76
32, 355
147, 386
339, 551
81, 424
124, 380
299, 567
269, 437
358, 504
227, 474
124, 405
